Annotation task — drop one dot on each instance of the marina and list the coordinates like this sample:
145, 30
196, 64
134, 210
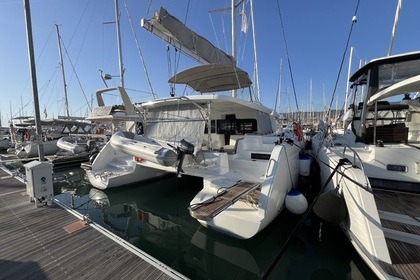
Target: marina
51, 243
207, 182
153, 217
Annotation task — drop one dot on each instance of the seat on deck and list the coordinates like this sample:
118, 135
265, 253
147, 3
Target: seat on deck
391, 133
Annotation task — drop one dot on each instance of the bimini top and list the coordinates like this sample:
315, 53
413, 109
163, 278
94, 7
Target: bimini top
213, 77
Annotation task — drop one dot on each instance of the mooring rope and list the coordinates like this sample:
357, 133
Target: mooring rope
299, 225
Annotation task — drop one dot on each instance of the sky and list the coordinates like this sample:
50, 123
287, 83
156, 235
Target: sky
311, 43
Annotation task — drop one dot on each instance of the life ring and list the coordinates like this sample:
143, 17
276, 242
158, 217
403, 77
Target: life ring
298, 131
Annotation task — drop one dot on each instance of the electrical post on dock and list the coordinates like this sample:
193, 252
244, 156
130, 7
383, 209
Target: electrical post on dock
39, 183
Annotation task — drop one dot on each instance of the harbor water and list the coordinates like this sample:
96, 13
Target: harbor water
154, 217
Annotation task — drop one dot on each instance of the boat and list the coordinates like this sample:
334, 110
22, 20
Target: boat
110, 119
4, 141
247, 165
4, 144
251, 162
53, 130
371, 171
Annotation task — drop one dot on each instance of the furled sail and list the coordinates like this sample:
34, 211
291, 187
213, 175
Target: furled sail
174, 32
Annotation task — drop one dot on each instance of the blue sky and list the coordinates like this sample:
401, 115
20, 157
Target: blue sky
316, 33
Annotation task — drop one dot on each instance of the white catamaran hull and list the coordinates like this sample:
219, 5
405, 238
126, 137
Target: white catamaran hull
362, 224
377, 156
247, 215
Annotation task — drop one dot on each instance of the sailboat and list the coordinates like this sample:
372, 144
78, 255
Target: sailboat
372, 170
248, 167
4, 142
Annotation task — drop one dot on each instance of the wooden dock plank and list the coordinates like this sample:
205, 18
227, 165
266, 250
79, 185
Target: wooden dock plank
34, 244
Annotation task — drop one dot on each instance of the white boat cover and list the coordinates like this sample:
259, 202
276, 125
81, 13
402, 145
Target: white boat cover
213, 77
176, 122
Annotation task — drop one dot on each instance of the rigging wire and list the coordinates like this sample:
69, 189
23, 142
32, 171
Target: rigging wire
149, 7
214, 30
85, 36
354, 20
186, 13
139, 50
222, 24
177, 58
75, 74
168, 58
78, 23
28, 80
288, 57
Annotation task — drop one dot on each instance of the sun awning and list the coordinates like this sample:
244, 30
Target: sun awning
213, 77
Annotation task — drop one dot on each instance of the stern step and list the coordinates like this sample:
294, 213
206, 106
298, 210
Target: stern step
210, 208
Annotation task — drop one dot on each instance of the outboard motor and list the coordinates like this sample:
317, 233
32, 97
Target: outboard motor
90, 145
184, 148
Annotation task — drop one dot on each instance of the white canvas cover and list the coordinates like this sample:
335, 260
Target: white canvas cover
176, 122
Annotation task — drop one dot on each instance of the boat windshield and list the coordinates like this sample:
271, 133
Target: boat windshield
391, 73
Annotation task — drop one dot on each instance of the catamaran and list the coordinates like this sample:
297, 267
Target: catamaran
374, 165
247, 164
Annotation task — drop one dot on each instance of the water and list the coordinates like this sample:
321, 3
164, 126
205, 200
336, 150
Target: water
154, 217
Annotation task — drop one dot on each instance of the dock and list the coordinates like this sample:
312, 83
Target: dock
52, 242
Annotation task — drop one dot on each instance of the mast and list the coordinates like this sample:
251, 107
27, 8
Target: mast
311, 120
257, 79
394, 28
233, 18
336, 109
33, 78
348, 80
120, 57
278, 95
66, 101
324, 105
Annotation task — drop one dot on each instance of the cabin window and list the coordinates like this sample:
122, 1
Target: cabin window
213, 127
232, 125
247, 126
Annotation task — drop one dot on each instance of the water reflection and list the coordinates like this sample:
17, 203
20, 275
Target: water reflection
154, 217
